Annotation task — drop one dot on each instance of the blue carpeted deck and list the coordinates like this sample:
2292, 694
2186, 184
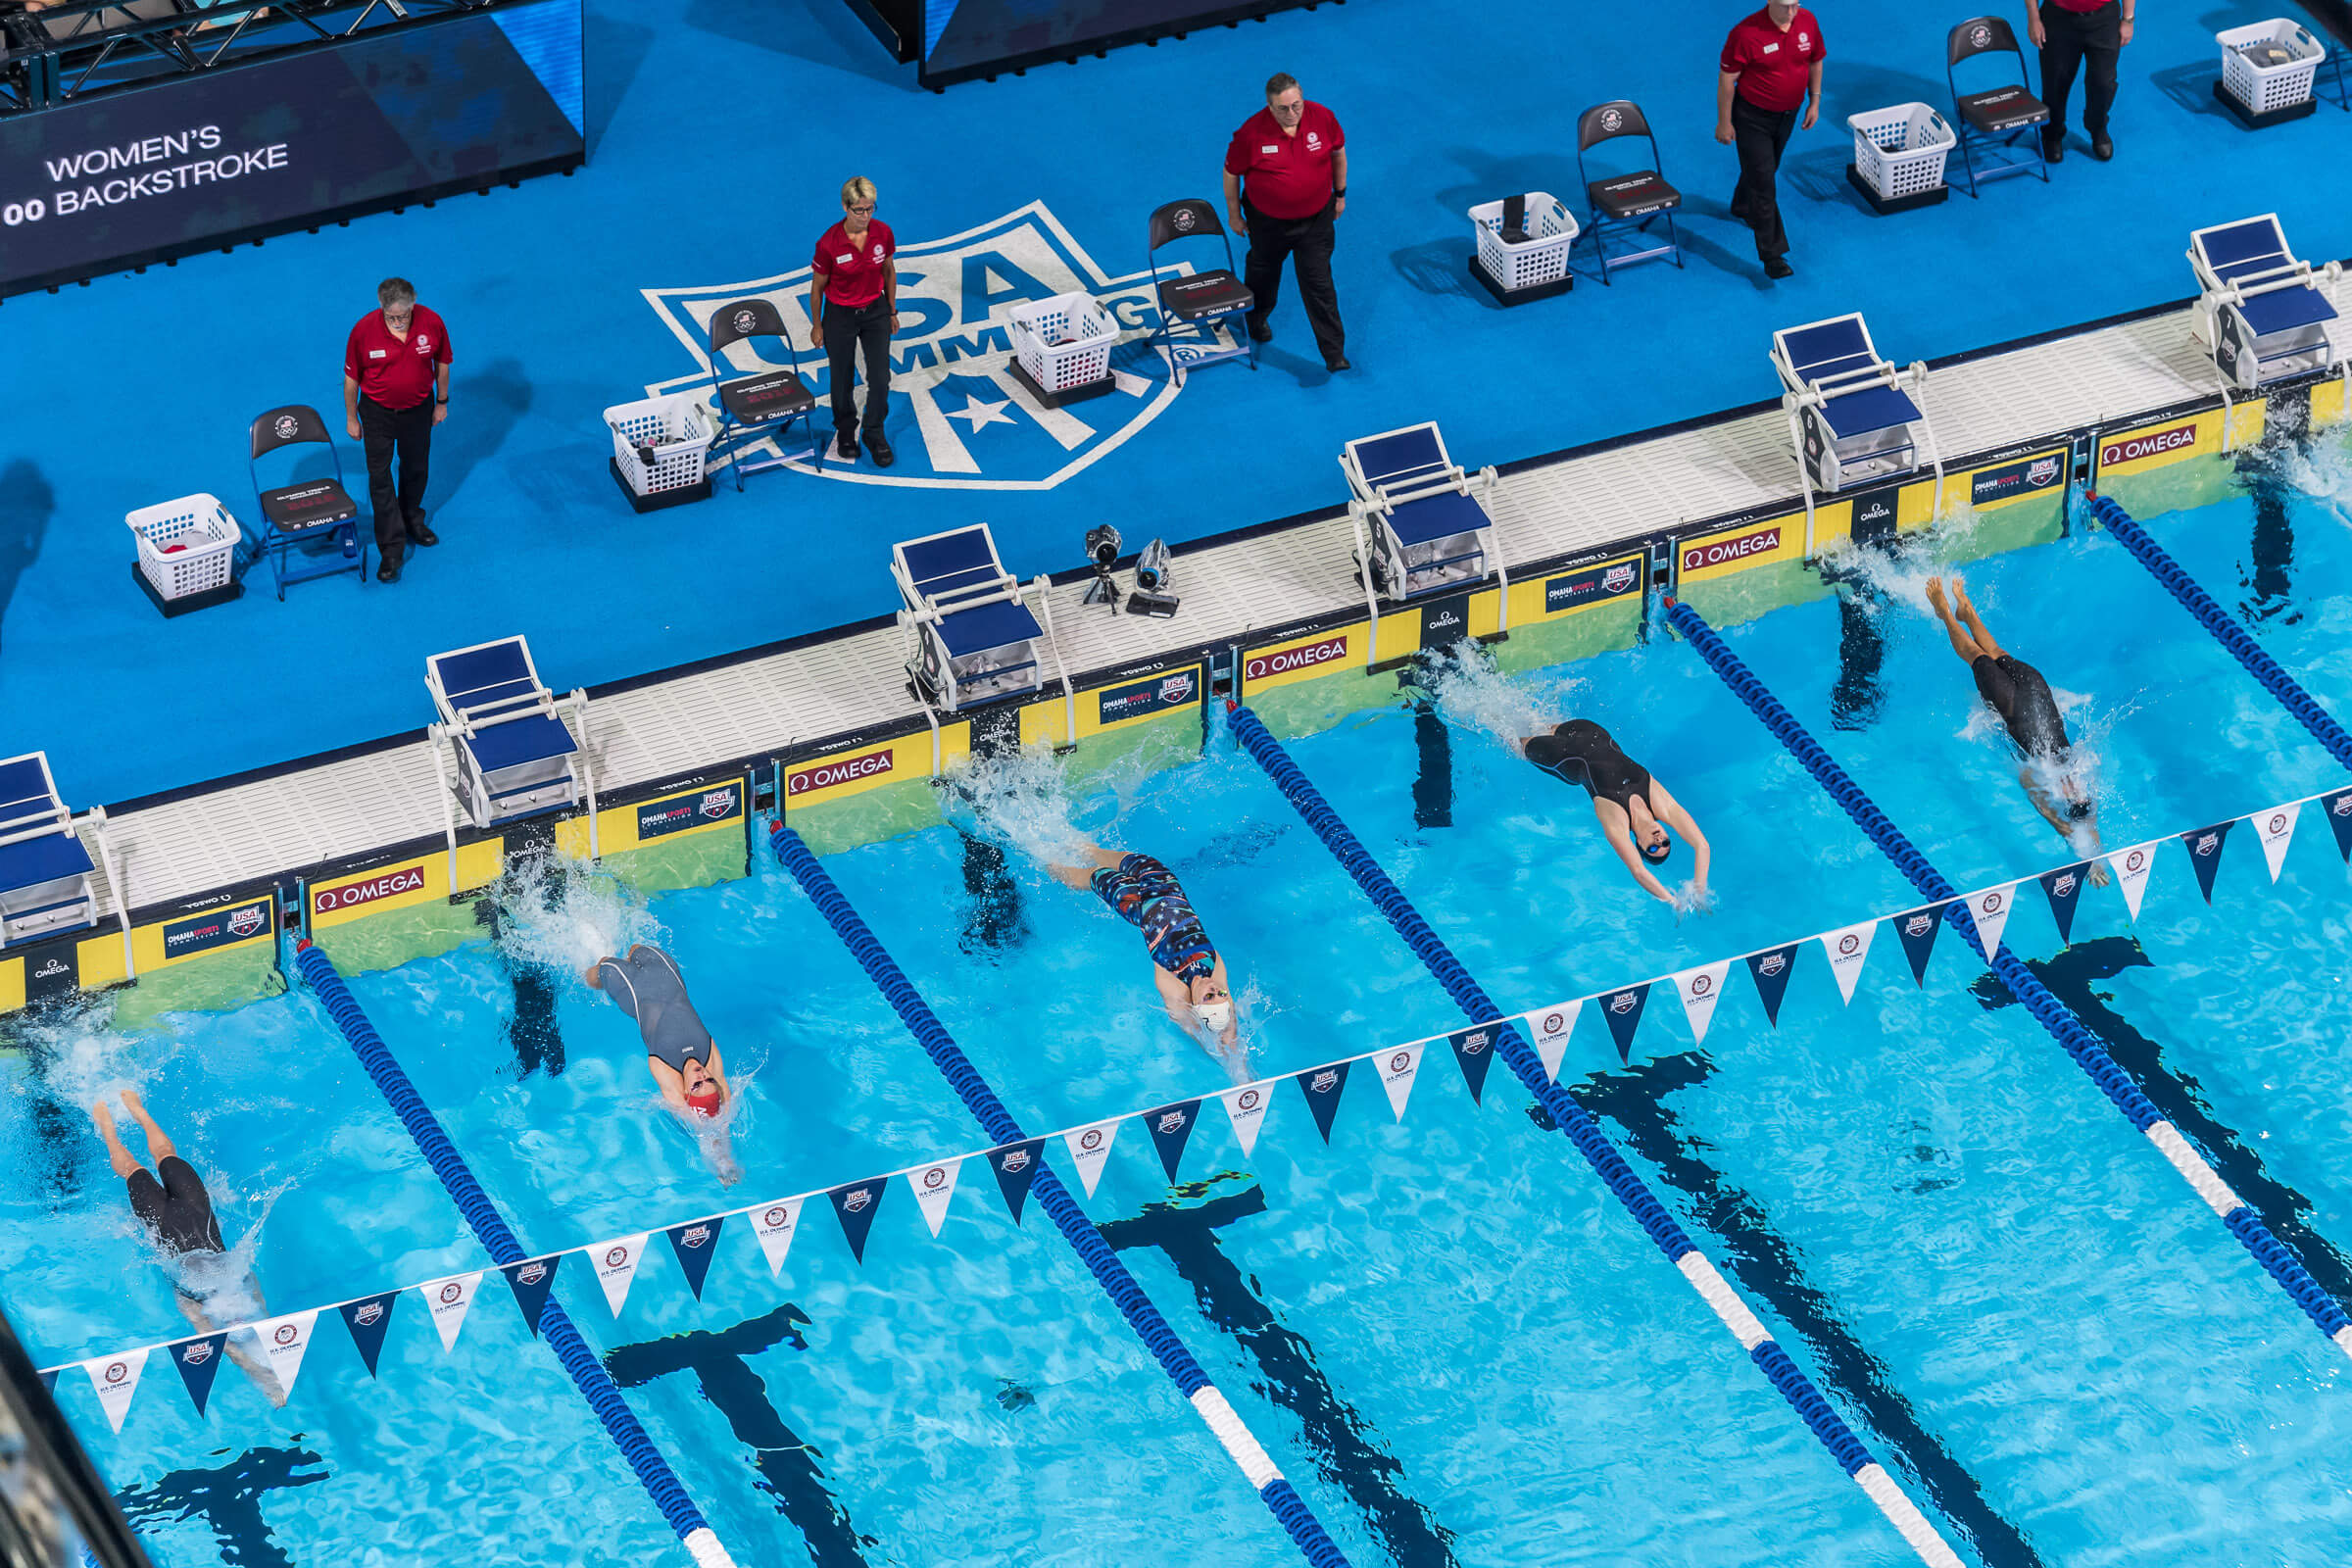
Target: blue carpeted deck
720, 130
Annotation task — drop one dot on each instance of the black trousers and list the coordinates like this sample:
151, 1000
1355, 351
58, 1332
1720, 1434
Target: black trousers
1306, 244
1760, 135
2093, 38
398, 504
848, 330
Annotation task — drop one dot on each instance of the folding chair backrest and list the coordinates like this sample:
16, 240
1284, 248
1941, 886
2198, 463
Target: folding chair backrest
1188, 219
1401, 456
738, 319
2238, 250
949, 564
1826, 348
493, 675
291, 425
27, 797
1982, 36
1620, 116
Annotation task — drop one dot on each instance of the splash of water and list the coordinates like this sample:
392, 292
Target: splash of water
1018, 798
1897, 569
83, 1059
567, 915
2319, 467
1474, 695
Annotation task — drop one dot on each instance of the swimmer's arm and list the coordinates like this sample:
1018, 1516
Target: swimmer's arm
2042, 801
1683, 824
1173, 995
1622, 842
667, 1080
1233, 1030
719, 1066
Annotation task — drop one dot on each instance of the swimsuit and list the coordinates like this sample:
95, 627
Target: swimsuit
1580, 752
1146, 896
177, 1208
2016, 692
650, 990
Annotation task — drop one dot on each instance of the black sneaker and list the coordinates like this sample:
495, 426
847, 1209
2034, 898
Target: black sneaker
1777, 266
1261, 333
845, 447
883, 456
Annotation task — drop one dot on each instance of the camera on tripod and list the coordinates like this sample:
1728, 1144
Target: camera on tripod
1102, 549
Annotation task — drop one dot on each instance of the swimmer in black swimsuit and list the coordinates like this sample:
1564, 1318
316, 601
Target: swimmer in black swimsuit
1185, 967
170, 1200
2015, 691
1634, 810
678, 1050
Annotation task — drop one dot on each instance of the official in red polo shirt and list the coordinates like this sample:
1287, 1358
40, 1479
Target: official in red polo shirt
395, 390
1770, 65
2071, 34
1286, 184
854, 305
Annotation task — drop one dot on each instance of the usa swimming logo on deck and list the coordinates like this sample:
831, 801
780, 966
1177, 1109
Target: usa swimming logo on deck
974, 425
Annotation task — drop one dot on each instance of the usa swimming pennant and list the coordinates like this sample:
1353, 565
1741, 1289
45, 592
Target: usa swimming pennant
1474, 1054
1398, 1070
1623, 1011
199, 1363
1847, 949
1171, 1128
285, 1340
449, 1300
1090, 1146
369, 1320
116, 1378
2063, 889
774, 1225
933, 1186
1551, 1027
1246, 1107
856, 1206
2277, 827
616, 1263
2204, 845
2131, 868
2338, 809
1918, 928
1322, 1087
1988, 911
694, 1246
1700, 989
1771, 970
1015, 1166
531, 1281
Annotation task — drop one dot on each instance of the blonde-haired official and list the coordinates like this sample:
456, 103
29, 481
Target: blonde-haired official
854, 305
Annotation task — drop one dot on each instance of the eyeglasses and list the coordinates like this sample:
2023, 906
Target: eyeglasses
859, 207
400, 317
1288, 109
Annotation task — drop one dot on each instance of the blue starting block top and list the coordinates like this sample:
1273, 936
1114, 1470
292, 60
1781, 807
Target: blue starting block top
485, 683
28, 799
949, 566
1401, 458
986, 627
1827, 350
1437, 517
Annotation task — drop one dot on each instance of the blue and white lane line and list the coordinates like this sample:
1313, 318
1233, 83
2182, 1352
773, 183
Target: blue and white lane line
2276, 1258
588, 1374
1306, 1531
1591, 1142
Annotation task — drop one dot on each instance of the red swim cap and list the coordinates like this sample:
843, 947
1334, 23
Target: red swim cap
709, 1101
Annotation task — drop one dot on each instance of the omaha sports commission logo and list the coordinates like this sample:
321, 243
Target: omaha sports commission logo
960, 419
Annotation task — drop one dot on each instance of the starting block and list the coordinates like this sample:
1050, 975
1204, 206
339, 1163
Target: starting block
45, 872
975, 637
515, 753
1429, 531
2261, 314
1853, 417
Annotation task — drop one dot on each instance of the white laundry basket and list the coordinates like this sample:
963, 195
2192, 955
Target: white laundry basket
1539, 259
2267, 85
186, 547
1899, 151
677, 428
1063, 343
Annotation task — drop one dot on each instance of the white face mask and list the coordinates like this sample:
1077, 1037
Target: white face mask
1215, 1015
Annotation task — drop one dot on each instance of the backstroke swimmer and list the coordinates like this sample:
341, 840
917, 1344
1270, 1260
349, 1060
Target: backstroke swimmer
679, 1051
207, 1278
1185, 967
1634, 808
2016, 692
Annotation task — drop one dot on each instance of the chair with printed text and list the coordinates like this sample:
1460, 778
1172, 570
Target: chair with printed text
1625, 206
975, 637
45, 873
2262, 314
1852, 415
308, 516
1429, 531
1992, 121
1200, 313
511, 739
752, 408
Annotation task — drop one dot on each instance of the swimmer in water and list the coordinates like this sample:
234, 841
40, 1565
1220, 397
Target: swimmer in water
1634, 810
2015, 691
170, 1200
1185, 967
679, 1051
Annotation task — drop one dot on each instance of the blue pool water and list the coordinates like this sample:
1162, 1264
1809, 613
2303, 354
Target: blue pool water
1455, 1344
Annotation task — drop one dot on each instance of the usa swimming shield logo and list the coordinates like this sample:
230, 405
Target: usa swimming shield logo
960, 417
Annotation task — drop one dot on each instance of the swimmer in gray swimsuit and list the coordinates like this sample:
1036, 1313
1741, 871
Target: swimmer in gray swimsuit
1634, 810
2016, 692
678, 1050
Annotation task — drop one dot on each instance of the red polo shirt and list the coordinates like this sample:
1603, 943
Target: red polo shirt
1284, 175
1773, 66
2080, 7
394, 371
853, 273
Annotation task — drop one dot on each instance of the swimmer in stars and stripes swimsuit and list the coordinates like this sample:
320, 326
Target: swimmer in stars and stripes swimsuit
1185, 967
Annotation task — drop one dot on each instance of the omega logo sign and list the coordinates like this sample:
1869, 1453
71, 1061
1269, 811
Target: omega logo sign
870, 766
1260, 665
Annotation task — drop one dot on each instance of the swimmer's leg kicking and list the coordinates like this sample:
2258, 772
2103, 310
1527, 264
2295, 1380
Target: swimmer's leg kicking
172, 1201
1634, 808
680, 1053
1185, 967
2018, 693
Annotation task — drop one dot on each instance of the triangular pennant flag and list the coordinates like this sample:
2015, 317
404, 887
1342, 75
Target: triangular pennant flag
855, 1207
2277, 829
1623, 1010
1770, 971
2063, 889
531, 1280
616, 1263
199, 1363
1090, 1146
1918, 928
2131, 868
1847, 949
2338, 808
1398, 1070
449, 1301
49, 1378
285, 1340
933, 1186
117, 1379
1700, 989
1474, 1054
1989, 908
773, 1224
368, 1321
1247, 1107
2204, 845
1322, 1087
1171, 1128
1551, 1027
1015, 1166
695, 1246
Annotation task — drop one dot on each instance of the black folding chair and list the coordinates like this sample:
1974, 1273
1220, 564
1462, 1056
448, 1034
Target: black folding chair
1993, 119
1197, 302
304, 514
749, 407
1626, 205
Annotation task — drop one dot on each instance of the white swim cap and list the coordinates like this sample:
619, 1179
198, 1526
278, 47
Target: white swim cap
1218, 1016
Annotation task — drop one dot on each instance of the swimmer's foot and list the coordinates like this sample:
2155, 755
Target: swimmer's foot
1935, 596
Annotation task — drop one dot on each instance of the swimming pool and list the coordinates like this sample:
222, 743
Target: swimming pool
1459, 1348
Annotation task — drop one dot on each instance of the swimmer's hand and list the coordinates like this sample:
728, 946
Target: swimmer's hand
2098, 875
1693, 898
